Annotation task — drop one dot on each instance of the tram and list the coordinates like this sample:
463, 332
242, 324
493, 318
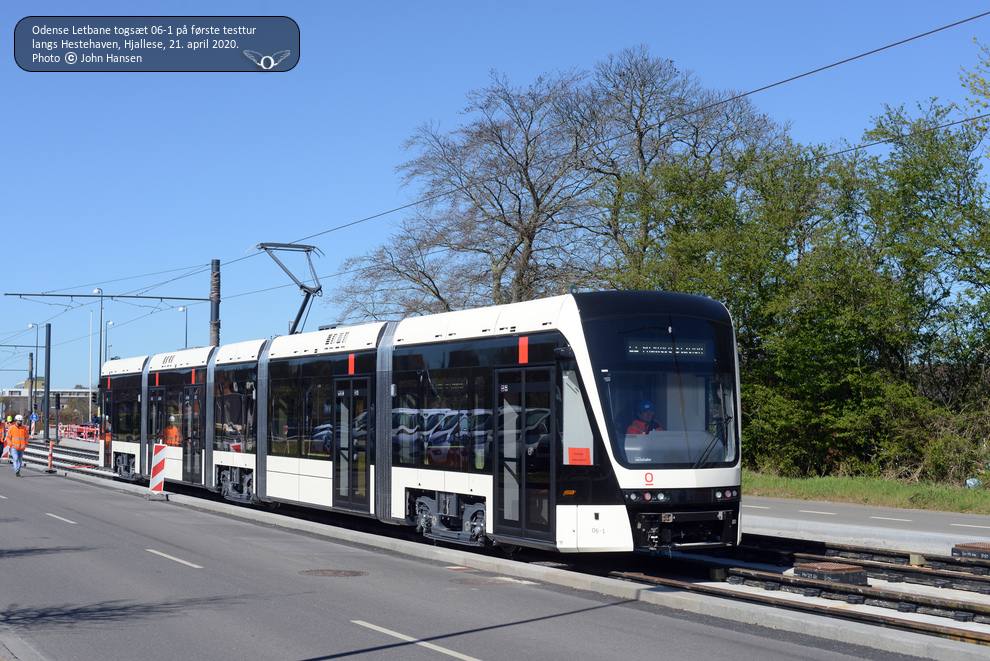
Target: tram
589, 422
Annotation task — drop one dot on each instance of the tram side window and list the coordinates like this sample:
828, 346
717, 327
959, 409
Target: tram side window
316, 434
577, 434
407, 447
481, 422
283, 417
235, 399
126, 415
173, 411
443, 419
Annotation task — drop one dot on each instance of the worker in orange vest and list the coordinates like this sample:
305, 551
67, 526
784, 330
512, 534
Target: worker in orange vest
172, 435
3, 433
18, 438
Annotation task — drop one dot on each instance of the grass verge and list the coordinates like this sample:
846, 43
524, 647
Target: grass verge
867, 491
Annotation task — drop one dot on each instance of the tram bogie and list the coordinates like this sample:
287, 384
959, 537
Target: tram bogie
582, 423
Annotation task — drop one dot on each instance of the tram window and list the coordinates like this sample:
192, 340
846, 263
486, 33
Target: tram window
406, 444
316, 434
283, 417
578, 438
444, 443
235, 406
442, 419
125, 415
173, 405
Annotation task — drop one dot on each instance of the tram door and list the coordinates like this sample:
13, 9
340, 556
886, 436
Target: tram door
192, 434
352, 445
525, 435
156, 424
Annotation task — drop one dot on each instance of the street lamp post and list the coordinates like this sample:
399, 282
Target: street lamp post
34, 368
90, 398
99, 359
106, 338
186, 310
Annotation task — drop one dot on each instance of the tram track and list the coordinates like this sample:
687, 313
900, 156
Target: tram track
801, 593
942, 596
922, 590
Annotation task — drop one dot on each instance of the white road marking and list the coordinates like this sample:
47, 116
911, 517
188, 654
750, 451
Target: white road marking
757, 507
814, 512
55, 516
889, 518
408, 639
172, 557
966, 525
3, 497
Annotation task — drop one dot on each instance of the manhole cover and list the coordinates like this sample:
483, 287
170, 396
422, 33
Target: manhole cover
334, 573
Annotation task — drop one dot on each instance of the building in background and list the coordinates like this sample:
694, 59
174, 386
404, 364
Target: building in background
75, 404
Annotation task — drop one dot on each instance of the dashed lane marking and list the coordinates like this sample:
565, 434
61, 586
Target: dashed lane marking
56, 516
409, 639
173, 558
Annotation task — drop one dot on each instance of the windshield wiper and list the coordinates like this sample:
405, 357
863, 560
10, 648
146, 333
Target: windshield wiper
721, 433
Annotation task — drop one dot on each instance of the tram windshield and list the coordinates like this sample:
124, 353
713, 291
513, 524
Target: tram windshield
669, 389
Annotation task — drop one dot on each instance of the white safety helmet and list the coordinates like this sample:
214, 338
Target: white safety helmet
171, 418
18, 417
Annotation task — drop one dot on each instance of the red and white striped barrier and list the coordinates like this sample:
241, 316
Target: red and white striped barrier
6, 453
158, 467
79, 432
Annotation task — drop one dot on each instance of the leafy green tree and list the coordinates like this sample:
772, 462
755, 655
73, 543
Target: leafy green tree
855, 286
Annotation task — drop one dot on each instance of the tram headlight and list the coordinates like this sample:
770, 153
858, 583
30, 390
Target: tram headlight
647, 496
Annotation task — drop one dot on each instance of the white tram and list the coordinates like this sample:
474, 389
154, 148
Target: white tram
510, 425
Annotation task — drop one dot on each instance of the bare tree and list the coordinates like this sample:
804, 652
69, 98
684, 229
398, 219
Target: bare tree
638, 114
548, 185
498, 191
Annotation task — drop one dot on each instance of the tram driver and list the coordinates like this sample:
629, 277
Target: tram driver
643, 422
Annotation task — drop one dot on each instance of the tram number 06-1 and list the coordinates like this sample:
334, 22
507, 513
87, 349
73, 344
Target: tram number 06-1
597, 531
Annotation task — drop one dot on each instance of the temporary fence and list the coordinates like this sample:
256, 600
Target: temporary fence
79, 432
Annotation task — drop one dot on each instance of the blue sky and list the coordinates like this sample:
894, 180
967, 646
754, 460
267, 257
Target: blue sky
125, 181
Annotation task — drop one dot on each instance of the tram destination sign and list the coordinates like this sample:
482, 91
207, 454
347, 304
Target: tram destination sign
156, 43
659, 349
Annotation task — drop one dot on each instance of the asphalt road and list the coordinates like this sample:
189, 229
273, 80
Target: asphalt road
89, 571
922, 531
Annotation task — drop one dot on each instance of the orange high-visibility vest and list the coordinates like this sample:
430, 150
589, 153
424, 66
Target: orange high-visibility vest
18, 436
172, 436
